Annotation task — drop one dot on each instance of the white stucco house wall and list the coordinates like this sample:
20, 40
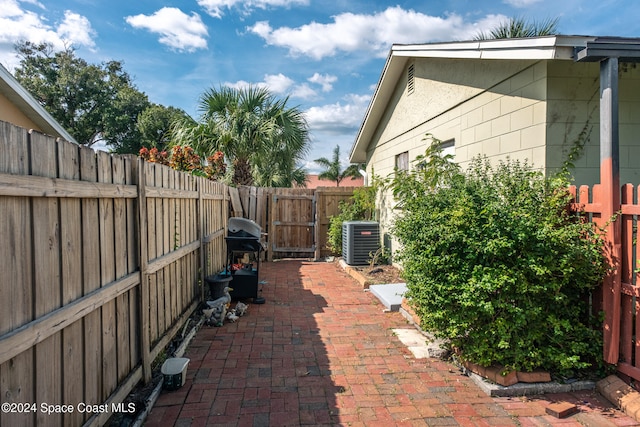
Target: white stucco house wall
519, 98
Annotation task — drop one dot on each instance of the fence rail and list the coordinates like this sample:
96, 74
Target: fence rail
102, 262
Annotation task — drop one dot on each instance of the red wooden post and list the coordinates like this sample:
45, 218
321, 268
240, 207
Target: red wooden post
610, 192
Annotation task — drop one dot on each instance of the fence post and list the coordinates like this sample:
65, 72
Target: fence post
610, 182
145, 344
316, 218
271, 237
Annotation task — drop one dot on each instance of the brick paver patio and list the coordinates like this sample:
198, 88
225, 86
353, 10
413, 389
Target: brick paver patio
321, 352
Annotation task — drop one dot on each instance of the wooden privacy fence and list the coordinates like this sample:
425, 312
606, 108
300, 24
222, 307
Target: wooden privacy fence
295, 220
619, 297
101, 263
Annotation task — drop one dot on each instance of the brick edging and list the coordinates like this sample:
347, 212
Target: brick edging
621, 395
353, 272
493, 373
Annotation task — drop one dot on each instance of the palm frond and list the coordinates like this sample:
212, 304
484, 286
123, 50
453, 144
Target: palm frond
253, 129
518, 27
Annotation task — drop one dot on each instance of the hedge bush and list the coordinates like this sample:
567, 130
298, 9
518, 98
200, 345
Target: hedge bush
495, 263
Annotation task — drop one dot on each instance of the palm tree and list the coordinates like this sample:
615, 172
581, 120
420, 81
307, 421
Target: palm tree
519, 28
333, 169
285, 150
262, 137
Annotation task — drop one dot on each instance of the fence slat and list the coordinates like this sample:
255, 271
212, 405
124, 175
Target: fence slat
151, 279
15, 227
16, 375
90, 256
107, 275
47, 275
71, 235
16, 384
143, 294
122, 321
131, 175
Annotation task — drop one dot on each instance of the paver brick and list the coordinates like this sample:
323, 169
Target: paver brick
561, 409
321, 352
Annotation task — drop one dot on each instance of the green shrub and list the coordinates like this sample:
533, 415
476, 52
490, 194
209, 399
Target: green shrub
495, 263
361, 207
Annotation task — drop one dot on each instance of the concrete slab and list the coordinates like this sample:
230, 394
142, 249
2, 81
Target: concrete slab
389, 294
414, 341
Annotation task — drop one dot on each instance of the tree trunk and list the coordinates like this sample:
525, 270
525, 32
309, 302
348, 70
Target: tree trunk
242, 172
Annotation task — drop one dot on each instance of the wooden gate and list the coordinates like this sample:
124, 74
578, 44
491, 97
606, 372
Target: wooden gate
619, 295
295, 220
292, 224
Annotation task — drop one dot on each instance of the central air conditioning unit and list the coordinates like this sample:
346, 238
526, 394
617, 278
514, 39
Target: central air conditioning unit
360, 240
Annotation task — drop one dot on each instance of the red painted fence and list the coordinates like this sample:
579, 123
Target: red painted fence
621, 288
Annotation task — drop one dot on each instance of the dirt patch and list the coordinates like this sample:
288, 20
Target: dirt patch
382, 274
379, 274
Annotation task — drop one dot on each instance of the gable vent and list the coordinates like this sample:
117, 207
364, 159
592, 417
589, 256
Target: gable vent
410, 79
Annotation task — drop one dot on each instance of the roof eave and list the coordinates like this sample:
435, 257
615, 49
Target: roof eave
626, 50
17, 94
358, 151
535, 48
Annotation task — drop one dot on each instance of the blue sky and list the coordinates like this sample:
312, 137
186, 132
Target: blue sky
326, 56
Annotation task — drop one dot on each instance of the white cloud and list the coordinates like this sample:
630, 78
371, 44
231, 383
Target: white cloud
335, 124
177, 30
303, 91
339, 117
376, 33
18, 24
279, 84
521, 3
240, 84
215, 7
35, 3
324, 80
77, 28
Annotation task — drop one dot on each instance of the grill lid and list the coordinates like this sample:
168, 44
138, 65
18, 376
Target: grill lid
243, 227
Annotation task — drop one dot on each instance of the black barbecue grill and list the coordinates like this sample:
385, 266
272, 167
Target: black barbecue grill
243, 237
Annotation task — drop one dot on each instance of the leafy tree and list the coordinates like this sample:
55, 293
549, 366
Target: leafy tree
495, 263
119, 120
333, 168
263, 138
519, 28
154, 126
93, 102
